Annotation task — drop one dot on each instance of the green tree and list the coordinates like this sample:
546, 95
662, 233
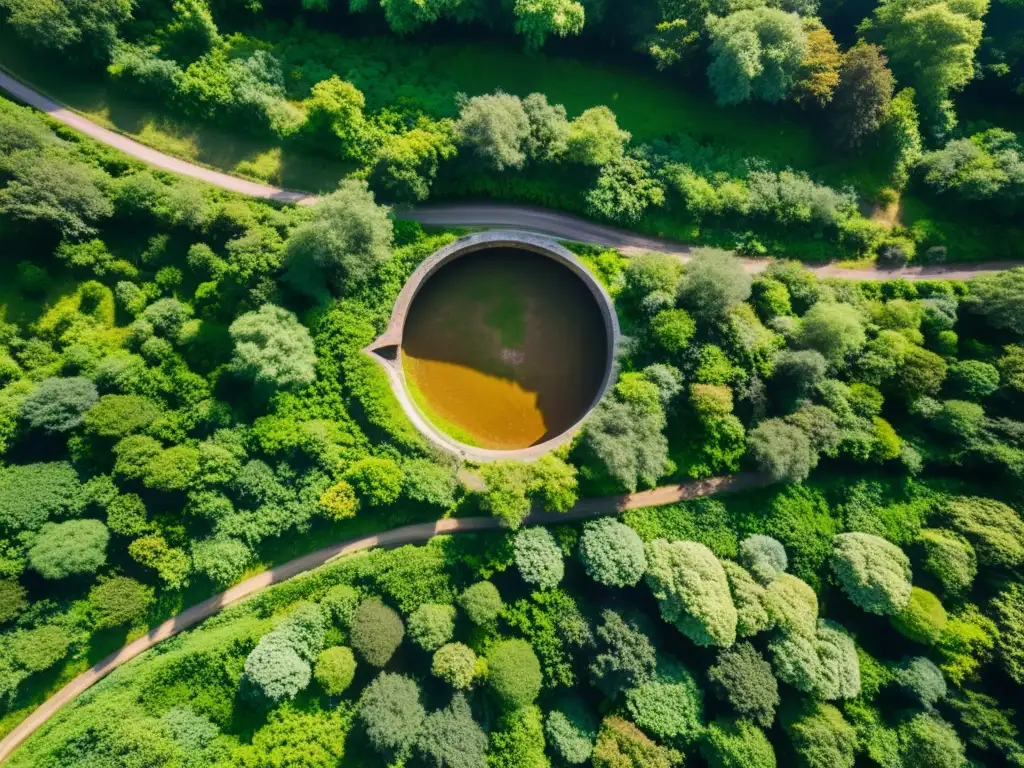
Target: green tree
973, 379
428, 482
406, 164
755, 53
818, 75
68, 549
450, 737
625, 656
763, 556
376, 632
670, 707
673, 330
692, 591
50, 189
927, 740
344, 241
432, 625
377, 481
506, 492
32, 494
714, 282
273, 349
571, 730
994, 529
119, 600
549, 128
222, 559
595, 137
115, 416
456, 664
481, 602
40, 648
519, 741
625, 190
862, 99
495, 128
1008, 611
782, 450
742, 678
612, 553
821, 737
513, 673
59, 405
392, 713
922, 681
12, 600
275, 671
998, 300
949, 559
536, 19
835, 330
554, 483
736, 744
67, 25
334, 670
874, 573
539, 558
620, 744
627, 441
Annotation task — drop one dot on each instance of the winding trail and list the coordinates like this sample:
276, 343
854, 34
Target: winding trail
533, 219
669, 494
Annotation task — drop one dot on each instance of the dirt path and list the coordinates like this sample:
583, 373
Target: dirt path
523, 217
408, 534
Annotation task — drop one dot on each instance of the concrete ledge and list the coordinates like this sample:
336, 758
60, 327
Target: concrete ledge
386, 350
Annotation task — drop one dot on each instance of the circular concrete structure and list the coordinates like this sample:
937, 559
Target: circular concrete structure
387, 349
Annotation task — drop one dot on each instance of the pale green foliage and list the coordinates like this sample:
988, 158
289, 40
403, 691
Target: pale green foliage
59, 405
822, 738
840, 667
571, 730
273, 349
450, 737
670, 707
874, 573
376, 632
553, 483
995, 530
927, 740
796, 661
755, 54
834, 330
950, 559
69, 549
713, 283
378, 481
749, 598
1008, 607
736, 744
612, 553
922, 619
495, 128
627, 440
763, 556
481, 602
334, 670
505, 496
539, 558
792, 604
456, 664
431, 626
692, 591
595, 137
620, 744
391, 712
428, 482
119, 601
742, 678
922, 681
513, 673
999, 299
222, 559
536, 19
782, 450
275, 670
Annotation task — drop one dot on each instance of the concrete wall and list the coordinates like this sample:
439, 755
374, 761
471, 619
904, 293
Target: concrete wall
386, 350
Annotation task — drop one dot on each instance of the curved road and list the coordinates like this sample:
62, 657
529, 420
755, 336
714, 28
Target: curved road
607, 505
508, 216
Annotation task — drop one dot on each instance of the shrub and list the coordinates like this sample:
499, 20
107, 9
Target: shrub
59, 405
428, 482
391, 713
481, 602
376, 632
763, 556
554, 483
713, 283
40, 648
119, 601
431, 626
335, 668
973, 379
32, 494
922, 619
274, 671
736, 744
950, 559
222, 559
519, 742
377, 481
673, 330
513, 673
651, 272
273, 349
922, 681
340, 604
625, 657
834, 330
670, 707
612, 553
692, 591
506, 492
782, 450
456, 664
118, 415
339, 502
742, 678
840, 667
571, 730
451, 737
821, 738
68, 549
539, 558
927, 740
620, 744
995, 530
873, 573
12, 600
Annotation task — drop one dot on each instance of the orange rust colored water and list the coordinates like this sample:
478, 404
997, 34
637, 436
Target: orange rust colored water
506, 346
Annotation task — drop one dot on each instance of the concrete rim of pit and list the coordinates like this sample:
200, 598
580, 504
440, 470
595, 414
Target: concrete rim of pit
386, 349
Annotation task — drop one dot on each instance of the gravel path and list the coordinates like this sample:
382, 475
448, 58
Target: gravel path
508, 216
408, 534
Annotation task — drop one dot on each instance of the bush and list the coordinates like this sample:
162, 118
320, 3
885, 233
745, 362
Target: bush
763, 556
782, 450
539, 558
451, 737
736, 744
222, 559
12, 600
873, 573
571, 730
922, 681
456, 664
59, 405
119, 601
481, 602
273, 349
922, 619
926, 740
40, 648
335, 668
513, 673
118, 415
834, 330
792, 604
431, 626
995, 530
620, 744
673, 330
821, 738
625, 657
377, 481
340, 604
376, 632
391, 713
32, 494
428, 482
973, 379
612, 553
68, 549
274, 671
692, 591
713, 283
742, 678
950, 559
339, 502
670, 707
519, 742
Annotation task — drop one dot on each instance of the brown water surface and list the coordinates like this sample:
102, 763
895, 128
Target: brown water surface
504, 348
